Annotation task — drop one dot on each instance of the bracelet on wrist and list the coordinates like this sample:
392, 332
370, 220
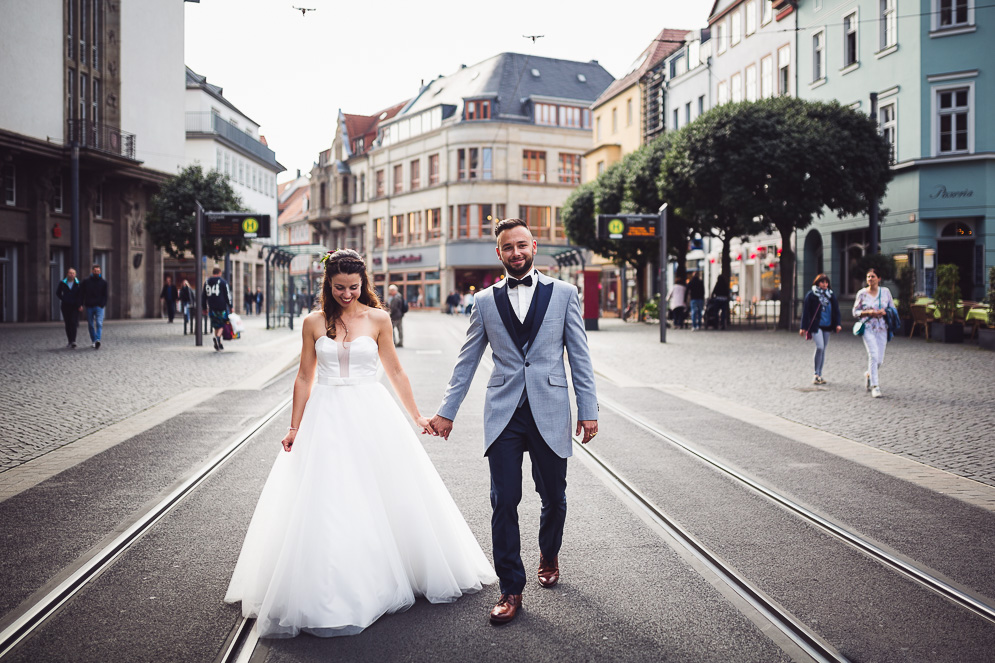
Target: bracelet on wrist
289, 428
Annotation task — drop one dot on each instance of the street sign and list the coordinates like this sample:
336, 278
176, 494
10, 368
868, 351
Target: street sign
232, 225
628, 226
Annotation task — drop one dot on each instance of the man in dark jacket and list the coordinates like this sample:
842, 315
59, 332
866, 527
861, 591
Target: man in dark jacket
168, 297
696, 295
70, 293
216, 302
188, 300
94, 301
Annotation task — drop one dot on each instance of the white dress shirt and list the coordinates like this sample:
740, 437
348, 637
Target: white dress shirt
521, 297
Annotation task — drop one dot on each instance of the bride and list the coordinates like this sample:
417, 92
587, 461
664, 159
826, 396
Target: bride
354, 521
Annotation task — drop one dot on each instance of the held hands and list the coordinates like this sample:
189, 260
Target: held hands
590, 429
426, 427
440, 426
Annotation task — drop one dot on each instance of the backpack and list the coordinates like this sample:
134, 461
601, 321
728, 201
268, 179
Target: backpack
404, 306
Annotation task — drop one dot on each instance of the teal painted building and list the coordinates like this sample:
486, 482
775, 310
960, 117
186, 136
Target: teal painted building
932, 68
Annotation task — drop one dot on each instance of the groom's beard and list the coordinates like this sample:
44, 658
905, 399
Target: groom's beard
521, 271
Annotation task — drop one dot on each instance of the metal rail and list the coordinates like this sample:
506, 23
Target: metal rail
911, 571
806, 639
34, 615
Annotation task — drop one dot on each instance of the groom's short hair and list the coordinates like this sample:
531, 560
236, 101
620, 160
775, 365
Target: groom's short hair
505, 224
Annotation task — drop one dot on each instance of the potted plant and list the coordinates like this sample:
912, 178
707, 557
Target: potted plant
946, 297
905, 282
651, 309
986, 335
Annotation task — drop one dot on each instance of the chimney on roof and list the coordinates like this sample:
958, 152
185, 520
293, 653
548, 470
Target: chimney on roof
298, 173
462, 66
595, 62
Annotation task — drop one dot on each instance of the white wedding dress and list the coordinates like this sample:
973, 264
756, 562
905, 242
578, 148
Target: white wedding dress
354, 522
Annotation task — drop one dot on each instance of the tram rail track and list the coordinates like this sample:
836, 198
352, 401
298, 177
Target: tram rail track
918, 574
49, 599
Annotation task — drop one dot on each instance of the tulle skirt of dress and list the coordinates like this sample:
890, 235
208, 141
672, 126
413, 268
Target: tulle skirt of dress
353, 523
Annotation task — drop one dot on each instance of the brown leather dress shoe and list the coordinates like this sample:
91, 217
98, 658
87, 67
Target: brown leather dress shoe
549, 571
506, 608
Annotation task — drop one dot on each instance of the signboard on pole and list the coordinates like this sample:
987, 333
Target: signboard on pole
628, 226
234, 225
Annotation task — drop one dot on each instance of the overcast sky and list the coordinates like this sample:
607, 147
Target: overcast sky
292, 73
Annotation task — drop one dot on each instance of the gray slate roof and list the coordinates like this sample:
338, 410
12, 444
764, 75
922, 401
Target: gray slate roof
508, 78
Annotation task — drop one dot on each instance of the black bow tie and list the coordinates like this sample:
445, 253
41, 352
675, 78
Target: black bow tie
514, 283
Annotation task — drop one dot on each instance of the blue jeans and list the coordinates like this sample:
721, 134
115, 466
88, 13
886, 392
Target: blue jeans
821, 339
697, 305
95, 321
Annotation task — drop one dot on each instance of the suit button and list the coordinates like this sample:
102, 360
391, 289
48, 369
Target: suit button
527, 364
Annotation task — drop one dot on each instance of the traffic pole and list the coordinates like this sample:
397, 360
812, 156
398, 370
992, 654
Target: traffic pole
662, 230
198, 259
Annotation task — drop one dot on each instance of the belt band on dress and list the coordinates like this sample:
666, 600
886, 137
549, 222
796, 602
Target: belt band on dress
330, 381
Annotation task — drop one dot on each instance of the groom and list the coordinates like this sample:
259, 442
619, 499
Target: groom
527, 318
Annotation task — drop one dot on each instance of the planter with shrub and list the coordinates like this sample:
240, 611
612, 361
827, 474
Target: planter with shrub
986, 335
947, 294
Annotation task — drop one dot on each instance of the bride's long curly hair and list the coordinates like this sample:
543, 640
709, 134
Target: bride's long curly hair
344, 261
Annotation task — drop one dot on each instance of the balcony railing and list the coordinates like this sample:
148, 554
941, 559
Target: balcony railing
210, 123
101, 137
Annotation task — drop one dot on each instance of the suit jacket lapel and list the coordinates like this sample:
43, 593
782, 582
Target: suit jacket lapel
543, 293
504, 310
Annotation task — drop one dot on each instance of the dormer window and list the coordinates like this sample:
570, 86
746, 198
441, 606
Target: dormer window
478, 110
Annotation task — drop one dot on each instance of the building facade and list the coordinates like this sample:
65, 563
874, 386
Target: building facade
221, 137
91, 99
931, 72
501, 138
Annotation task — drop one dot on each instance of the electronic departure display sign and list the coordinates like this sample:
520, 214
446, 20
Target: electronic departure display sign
628, 226
233, 225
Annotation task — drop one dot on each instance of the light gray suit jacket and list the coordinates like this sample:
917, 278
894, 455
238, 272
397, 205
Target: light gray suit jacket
539, 369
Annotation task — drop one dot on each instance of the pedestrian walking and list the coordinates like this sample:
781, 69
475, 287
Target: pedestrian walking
168, 297
820, 317
188, 299
468, 301
70, 293
259, 301
452, 302
528, 320
721, 294
677, 300
216, 302
696, 297
870, 309
94, 301
397, 307
353, 522
248, 299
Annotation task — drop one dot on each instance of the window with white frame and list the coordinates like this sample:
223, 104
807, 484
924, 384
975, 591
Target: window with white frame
57, 196
723, 92
850, 39
676, 120
722, 35
687, 113
888, 125
818, 56
751, 83
736, 31
751, 17
8, 177
701, 105
766, 12
736, 83
889, 24
784, 70
766, 77
952, 13
952, 132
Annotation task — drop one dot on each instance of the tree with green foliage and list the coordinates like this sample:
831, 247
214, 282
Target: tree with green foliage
173, 211
777, 163
626, 187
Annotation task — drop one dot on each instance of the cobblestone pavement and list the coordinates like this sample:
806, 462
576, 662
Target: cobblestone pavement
51, 395
938, 406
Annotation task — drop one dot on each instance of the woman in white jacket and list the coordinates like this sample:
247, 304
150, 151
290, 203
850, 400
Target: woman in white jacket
870, 306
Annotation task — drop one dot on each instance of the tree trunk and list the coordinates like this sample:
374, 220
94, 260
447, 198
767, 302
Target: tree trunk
787, 267
726, 260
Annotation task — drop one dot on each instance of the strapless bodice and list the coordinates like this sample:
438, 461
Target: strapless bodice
348, 362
